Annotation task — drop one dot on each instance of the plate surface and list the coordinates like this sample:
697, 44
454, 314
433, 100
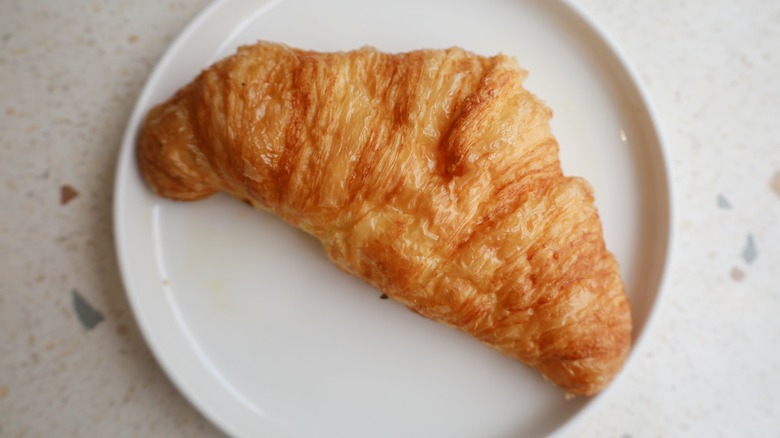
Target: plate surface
268, 338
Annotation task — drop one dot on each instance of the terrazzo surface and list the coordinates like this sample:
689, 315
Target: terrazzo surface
73, 362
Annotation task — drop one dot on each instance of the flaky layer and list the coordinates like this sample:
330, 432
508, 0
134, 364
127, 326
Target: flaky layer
431, 174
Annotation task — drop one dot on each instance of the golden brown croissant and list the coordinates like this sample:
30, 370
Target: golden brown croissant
432, 174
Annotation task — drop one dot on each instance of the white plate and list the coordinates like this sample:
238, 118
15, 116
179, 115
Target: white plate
267, 338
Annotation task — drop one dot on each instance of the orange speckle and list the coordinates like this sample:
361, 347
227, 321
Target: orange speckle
67, 193
132, 38
3, 392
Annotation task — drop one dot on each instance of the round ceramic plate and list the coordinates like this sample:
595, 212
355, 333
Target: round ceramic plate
268, 338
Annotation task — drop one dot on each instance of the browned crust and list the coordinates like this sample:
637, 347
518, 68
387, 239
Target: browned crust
431, 174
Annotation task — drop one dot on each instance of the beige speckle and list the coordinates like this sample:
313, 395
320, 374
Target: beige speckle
128, 394
737, 274
132, 38
3, 392
774, 183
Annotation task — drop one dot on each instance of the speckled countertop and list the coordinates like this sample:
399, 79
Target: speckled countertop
73, 362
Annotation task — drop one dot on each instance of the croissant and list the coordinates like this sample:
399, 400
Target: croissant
433, 175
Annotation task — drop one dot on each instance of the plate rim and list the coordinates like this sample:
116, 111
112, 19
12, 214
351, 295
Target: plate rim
666, 168
204, 408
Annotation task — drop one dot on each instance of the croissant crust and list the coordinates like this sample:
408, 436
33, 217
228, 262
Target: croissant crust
432, 174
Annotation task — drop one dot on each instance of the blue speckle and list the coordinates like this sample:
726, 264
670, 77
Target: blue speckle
87, 314
723, 202
750, 252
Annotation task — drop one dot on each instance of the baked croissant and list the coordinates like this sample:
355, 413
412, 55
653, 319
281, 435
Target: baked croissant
432, 174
